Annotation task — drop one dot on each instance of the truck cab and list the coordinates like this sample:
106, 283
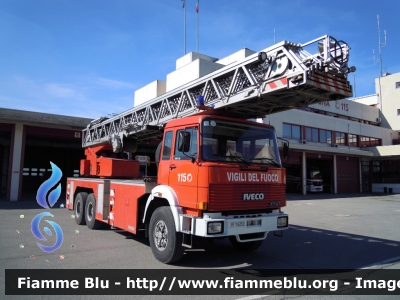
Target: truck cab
221, 177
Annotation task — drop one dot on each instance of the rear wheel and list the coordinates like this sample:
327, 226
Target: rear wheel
165, 241
79, 208
90, 213
246, 246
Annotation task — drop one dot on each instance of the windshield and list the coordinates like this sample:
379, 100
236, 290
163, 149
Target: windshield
315, 174
223, 140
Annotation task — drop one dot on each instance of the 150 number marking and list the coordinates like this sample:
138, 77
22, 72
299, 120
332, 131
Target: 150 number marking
185, 177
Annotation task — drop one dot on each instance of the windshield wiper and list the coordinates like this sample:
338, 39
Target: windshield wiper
268, 159
233, 156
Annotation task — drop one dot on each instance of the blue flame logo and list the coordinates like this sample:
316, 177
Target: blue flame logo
47, 185
52, 199
36, 232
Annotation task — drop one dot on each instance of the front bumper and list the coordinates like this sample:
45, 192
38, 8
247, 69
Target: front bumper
233, 225
313, 188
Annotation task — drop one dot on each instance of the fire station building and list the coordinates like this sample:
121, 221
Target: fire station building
352, 145
28, 142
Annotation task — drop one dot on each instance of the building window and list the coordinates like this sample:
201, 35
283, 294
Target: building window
384, 171
291, 131
340, 138
365, 167
374, 141
312, 134
369, 141
376, 172
398, 85
398, 112
390, 171
352, 140
325, 136
364, 141
318, 135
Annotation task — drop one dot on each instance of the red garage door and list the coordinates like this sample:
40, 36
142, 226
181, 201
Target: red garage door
348, 179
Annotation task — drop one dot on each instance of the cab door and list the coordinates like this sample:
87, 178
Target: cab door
183, 170
165, 158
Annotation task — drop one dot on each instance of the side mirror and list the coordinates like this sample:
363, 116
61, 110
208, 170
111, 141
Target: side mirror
285, 150
184, 141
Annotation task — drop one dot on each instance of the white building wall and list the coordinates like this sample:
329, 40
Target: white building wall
16, 164
190, 72
237, 56
393, 150
311, 119
367, 100
150, 91
386, 188
349, 109
190, 57
389, 97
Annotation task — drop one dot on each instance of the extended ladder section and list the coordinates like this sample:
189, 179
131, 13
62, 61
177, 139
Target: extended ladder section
281, 77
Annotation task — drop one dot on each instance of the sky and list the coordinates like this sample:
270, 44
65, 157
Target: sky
86, 58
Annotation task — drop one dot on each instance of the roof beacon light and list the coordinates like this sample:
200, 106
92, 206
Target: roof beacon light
200, 100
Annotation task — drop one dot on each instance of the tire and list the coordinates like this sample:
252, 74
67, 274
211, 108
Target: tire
247, 246
90, 213
79, 208
165, 241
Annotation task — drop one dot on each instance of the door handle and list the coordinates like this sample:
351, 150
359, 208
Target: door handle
172, 167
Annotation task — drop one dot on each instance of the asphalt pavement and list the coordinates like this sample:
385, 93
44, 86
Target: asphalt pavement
326, 232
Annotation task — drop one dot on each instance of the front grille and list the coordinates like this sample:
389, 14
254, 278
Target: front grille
228, 197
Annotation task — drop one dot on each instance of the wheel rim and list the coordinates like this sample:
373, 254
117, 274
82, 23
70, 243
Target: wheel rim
161, 235
90, 212
78, 209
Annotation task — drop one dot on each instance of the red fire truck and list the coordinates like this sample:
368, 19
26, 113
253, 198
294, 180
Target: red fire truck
218, 174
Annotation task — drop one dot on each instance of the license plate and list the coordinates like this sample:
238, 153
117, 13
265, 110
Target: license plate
254, 223
238, 224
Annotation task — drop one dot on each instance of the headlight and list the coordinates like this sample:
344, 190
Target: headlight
214, 227
282, 222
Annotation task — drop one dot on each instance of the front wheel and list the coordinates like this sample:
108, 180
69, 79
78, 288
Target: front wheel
165, 241
246, 246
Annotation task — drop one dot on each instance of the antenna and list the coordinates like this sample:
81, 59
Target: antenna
274, 36
381, 45
354, 83
197, 35
184, 26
